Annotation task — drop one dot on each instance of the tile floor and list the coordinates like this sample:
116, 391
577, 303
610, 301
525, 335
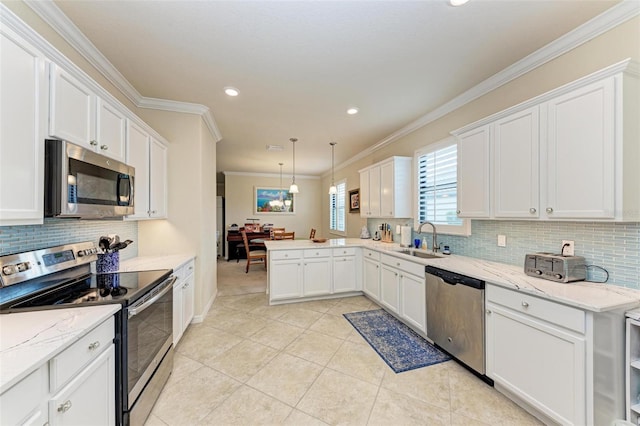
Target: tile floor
250, 363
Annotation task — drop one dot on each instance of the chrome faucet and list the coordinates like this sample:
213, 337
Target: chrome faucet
434, 243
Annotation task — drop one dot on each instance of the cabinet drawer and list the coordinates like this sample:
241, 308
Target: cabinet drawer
285, 254
23, 401
564, 316
370, 254
188, 268
68, 363
404, 265
310, 254
345, 251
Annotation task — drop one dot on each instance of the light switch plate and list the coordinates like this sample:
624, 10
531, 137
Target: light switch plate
502, 240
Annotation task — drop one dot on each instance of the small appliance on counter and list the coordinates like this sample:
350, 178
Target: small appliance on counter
555, 267
364, 233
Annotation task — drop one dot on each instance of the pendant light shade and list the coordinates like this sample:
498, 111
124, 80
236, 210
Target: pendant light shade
333, 189
293, 189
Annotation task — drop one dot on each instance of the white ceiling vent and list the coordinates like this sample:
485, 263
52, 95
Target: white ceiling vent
275, 148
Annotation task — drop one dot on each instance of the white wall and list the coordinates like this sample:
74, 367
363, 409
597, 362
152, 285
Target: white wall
239, 202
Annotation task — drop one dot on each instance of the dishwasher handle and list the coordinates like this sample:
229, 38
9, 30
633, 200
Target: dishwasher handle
453, 278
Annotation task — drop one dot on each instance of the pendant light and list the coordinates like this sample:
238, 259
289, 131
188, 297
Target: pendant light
293, 189
332, 189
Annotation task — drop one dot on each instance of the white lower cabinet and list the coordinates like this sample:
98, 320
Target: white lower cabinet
371, 274
413, 302
402, 291
75, 387
316, 272
183, 299
390, 288
346, 273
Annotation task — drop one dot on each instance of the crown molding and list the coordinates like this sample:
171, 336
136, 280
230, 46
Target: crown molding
277, 175
616, 15
52, 15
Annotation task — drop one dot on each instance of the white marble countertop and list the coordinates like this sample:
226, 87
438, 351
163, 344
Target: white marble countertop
30, 339
585, 295
149, 263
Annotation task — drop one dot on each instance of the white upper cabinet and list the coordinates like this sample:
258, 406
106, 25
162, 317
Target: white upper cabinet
138, 157
569, 154
581, 153
22, 92
474, 164
385, 189
516, 145
158, 155
77, 115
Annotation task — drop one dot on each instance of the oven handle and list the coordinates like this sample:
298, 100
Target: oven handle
168, 285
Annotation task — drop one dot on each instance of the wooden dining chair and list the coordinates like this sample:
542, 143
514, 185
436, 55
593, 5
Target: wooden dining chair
275, 231
284, 236
312, 234
254, 255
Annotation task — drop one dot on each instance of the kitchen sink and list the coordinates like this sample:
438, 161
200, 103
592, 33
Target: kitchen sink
422, 254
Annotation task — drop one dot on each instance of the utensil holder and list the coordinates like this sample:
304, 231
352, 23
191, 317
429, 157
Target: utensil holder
108, 262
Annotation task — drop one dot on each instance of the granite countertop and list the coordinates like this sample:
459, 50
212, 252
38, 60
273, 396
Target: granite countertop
30, 339
149, 263
585, 295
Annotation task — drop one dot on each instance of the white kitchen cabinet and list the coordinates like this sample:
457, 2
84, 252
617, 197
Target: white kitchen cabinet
390, 288
633, 370
89, 398
23, 88
516, 144
316, 272
346, 276
569, 154
78, 115
158, 179
17, 409
371, 274
474, 168
581, 153
387, 189
565, 363
402, 291
285, 274
413, 301
183, 299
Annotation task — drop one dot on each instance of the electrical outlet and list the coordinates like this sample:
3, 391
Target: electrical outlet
568, 248
502, 240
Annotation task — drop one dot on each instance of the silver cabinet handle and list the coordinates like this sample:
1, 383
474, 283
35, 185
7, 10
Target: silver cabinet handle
397, 263
488, 311
532, 210
549, 210
93, 143
64, 407
457, 211
104, 147
95, 345
525, 304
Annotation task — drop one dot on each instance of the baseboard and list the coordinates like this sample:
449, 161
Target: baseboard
199, 318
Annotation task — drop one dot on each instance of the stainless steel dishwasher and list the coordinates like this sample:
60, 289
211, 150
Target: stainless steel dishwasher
455, 316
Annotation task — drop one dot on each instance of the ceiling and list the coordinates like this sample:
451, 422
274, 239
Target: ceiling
300, 64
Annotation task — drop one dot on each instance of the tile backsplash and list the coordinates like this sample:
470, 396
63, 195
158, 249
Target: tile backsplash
54, 232
613, 246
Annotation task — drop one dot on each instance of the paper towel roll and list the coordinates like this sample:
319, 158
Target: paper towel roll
397, 229
405, 236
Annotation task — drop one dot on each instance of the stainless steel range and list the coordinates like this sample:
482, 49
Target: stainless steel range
60, 277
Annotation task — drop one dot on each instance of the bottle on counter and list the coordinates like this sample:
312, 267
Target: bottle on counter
424, 243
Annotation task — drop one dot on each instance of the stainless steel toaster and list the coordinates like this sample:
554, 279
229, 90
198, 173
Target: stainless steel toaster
555, 267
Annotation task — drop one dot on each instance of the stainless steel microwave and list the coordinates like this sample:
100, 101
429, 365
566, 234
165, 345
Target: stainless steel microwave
82, 184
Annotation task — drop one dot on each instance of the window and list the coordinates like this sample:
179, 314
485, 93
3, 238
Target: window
337, 209
437, 183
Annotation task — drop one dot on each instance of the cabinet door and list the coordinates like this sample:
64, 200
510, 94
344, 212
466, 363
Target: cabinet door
516, 151
111, 125
474, 180
138, 157
177, 312
22, 92
371, 284
71, 109
365, 210
390, 288
158, 180
413, 308
542, 364
345, 277
374, 192
187, 301
90, 397
317, 277
580, 153
387, 185
285, 279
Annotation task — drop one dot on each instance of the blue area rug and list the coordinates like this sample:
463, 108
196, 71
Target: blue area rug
399, 346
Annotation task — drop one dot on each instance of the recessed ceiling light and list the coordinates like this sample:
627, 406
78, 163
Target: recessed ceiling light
275, 148
352, 111
231, 91
457, 2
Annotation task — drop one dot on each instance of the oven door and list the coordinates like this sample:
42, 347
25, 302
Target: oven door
149, 335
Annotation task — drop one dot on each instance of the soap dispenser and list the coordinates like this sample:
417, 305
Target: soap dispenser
424, 243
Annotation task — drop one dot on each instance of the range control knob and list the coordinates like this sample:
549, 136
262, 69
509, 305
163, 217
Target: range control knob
81, 253
558, 276
538, 272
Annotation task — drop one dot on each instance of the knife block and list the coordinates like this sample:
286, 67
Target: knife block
108, 262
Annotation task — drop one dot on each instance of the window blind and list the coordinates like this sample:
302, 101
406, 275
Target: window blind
337, 208
437, 186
